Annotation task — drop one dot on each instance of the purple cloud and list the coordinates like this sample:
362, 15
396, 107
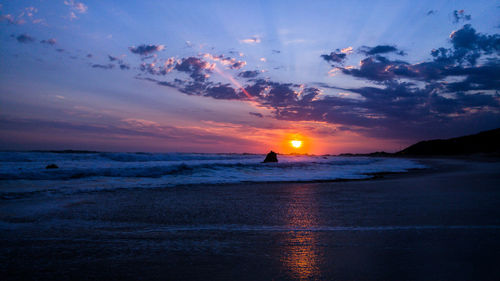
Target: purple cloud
50, 41
145, 50
103, 66
459, 15
381, 49
25, 38
256, 114
249, 74
197, 69
335, 57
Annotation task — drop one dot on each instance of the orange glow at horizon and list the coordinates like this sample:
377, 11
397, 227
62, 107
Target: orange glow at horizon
317, 138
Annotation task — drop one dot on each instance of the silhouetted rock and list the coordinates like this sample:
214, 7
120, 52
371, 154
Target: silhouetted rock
51, 166
271, 157
484, 142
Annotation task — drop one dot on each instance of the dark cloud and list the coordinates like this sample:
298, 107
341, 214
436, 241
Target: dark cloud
103, 66
89, 55
273, 94
381, 49
249, 74
50, 41
25, 38
459, 15
222, 92
378, 68
192, 88
480, 78
449, 89
124, 66
152, 68
280, 95
121, 64
166, 84
145, 50
395, 109
275, 51
238, 65
310, 94
161, 83
468, 45
143, 58
197, 69
256, 114
335, 57
391, 107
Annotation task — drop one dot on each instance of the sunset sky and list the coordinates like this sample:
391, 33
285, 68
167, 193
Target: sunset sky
246, 76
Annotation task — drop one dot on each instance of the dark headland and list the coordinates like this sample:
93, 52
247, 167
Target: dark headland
485, 143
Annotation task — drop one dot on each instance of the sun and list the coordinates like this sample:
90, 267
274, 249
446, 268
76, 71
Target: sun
296, 143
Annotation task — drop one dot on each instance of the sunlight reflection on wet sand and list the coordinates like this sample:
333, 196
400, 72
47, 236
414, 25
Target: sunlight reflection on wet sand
299, 253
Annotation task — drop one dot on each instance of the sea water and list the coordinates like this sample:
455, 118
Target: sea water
22, 173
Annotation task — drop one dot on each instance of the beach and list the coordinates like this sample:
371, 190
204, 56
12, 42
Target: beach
439, 223
249, 140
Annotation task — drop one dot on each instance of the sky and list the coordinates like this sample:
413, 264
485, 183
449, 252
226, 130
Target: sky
246, 76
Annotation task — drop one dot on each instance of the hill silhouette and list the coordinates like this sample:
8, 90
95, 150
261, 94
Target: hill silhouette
483, 142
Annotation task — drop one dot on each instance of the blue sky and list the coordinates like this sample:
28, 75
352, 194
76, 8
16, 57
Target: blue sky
245, 76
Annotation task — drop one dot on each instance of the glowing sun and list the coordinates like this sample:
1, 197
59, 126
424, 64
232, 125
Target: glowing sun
296, 143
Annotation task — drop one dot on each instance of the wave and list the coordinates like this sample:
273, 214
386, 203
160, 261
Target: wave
66, 174
25, 171
163, 168
156, 157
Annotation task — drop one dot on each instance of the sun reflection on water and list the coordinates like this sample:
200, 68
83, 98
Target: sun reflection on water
299, 253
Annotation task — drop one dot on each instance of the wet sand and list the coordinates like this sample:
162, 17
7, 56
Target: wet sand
442, 223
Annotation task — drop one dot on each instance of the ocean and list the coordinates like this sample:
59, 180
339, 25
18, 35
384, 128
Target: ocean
24, 173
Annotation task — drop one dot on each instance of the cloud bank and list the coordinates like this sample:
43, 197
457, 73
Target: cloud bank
458, 85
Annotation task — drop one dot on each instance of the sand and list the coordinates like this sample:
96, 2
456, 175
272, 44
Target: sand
440, 223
